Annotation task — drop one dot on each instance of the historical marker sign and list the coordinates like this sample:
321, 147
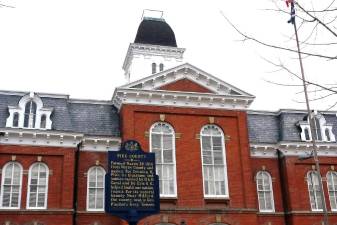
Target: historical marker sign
132, 186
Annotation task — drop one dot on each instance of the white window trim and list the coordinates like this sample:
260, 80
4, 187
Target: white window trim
314, 210
29, 182
327, 182
226, 195
174, 159
87, 201
20, 109
271, 192
2, 183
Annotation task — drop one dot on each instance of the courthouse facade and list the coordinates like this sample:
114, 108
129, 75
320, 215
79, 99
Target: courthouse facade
218, 162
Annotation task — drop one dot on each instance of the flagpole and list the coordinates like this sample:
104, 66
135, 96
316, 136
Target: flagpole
310, 119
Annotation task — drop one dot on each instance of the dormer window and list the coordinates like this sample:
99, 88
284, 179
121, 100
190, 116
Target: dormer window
29, 114
16, 119
154, 68
161, 67
322, 129
43, 121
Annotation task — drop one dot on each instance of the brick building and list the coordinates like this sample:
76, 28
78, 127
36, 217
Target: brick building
218, 162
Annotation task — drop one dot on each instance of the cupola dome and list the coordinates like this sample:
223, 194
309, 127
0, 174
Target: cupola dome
155, 31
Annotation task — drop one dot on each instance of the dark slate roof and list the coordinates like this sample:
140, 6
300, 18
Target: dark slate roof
155, 32
272, 127
263, 128
6, 100
96, 118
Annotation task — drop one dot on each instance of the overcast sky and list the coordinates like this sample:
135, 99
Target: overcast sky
77, 47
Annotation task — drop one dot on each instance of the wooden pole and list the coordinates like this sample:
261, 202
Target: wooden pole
312, 128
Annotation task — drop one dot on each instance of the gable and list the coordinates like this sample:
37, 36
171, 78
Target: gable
185, 85
182, 86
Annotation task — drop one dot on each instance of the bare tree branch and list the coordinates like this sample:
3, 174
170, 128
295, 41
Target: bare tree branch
247, 37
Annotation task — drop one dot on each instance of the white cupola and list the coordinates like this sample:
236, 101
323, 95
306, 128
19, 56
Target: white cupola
154, 49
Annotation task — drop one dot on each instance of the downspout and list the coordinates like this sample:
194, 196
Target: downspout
75, 184
283, 187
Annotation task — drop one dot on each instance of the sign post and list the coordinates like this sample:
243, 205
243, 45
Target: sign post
132, 186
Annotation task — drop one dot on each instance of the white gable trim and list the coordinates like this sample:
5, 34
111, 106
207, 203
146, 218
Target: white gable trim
145, 91
190, 72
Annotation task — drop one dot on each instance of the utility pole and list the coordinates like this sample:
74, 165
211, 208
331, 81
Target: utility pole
311, 122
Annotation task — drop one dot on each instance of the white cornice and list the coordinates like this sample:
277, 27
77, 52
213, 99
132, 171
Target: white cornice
44, 95
294, 111
13, 136
180, 99
90, 101
257, 150
100, 144
145, 49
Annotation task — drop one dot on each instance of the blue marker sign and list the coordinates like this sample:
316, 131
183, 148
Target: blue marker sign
132, 186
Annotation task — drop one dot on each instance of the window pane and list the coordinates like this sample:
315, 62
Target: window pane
16, 120
43, 121
168, 157
206, 143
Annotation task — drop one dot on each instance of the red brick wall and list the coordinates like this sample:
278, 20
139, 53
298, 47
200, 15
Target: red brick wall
185, 85
137, 120
60, 162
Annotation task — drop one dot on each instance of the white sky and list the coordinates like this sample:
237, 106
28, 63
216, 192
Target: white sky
77, 47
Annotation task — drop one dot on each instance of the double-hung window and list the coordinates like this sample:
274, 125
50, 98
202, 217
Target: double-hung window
11, 186
162, 143
213, 162
265, 191
95, 189
331, 178
38, 186
314, 191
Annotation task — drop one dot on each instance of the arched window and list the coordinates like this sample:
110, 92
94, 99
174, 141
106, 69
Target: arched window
30, 114
11, 186
16, 119
162, 143
95, 189
331, 178
265, 191
154, 68
37, 194
317, 127
43, 121
161, 67
314, 191
213, 162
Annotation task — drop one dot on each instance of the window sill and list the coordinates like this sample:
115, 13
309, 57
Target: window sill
214, 200
169, 200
